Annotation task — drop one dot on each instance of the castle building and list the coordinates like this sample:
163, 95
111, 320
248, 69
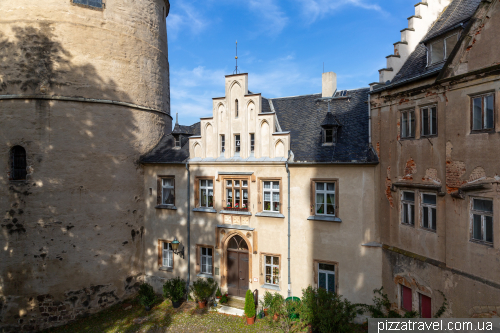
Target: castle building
278, 194
84, 92
436, 129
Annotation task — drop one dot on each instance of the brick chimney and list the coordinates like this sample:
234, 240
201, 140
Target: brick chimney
329, 83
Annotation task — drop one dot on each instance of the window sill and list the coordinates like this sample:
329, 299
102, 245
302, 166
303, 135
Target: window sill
408, 225
483, 131
271, 214
204, 210
429, 230
479, 242
234, 212
171, 207
166, 269
270, 286
18, 182
324, 218
204, 275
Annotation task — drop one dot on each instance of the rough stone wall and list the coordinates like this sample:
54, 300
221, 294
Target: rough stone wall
71, 234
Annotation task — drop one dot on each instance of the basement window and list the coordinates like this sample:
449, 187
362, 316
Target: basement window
408, 208
89, 3
441, 49
482, 221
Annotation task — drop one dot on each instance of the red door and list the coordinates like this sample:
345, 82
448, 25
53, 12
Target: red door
406, 301
425, 307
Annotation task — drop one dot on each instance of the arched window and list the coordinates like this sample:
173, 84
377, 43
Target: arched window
236, 108
237, 243
18, 163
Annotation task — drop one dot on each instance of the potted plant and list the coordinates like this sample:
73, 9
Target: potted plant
266, 303
276, 305
147, 296
203, 289
175, 290
249, 307
218, 294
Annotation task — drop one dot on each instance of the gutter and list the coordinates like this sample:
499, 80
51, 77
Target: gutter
289, 277
188, 229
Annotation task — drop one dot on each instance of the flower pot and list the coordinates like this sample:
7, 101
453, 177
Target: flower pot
265, 312
202, 304
250, 321
176, 304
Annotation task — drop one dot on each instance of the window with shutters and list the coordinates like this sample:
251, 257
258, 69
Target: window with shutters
18, 163
483, 113
425, 308
165, 255
89, 3
482, 221
326, 275
165, 192
406, 298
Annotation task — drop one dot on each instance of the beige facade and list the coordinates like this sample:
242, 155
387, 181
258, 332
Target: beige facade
85, 92
348, 242
455, 163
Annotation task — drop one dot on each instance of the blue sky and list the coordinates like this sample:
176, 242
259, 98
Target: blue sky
281, 45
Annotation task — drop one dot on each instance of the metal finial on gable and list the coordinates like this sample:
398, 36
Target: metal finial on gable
236, 70
177, 118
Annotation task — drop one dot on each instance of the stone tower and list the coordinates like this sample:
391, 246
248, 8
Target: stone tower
84, 92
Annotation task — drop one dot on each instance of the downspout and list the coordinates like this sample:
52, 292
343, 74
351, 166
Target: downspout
369, 121
188, 230
289, 277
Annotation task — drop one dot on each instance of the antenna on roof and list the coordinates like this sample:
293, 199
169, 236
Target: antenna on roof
236, 70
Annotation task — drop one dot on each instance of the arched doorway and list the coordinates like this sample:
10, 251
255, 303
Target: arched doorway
237, 266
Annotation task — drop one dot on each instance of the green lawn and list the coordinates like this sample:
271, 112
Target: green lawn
162, 318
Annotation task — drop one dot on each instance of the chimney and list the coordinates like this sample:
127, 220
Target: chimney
329, 83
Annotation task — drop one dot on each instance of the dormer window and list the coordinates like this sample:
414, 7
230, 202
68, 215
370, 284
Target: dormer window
328, 136
236, 109
177, 142
441, 49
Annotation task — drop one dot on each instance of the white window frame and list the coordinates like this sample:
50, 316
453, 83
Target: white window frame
242, 187
171, 187
409, 204
206, 188
207, 257
483, 215
273, 266
430, 109
271, 192
325, 193
177, 141
252, 142
327, 273
222, 143
237, 143
445, 49
408, 132
429, 212
167, 255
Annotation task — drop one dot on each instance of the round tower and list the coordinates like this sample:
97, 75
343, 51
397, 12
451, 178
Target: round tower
84, 92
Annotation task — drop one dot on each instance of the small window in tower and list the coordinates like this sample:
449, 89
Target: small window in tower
18, 163
236, 110
89, 3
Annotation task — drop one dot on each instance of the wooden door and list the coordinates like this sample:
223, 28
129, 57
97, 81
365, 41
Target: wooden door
237, 273
243, 273
232, 273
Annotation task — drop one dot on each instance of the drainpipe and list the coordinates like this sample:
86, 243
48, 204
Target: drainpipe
188, 229
369, 121
289, 277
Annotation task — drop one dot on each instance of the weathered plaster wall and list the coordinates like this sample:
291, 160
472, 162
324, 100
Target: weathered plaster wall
359, 270
71, 234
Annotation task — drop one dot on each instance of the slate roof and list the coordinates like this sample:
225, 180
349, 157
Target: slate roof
164, 152
459, 11
329, 120
302, 116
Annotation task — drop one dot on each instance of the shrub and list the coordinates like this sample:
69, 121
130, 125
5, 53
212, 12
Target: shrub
224, 298
203, 289
275, 304
326, 311
147, 296
249, 304
218, 293
174, 289
268, 298
381, 307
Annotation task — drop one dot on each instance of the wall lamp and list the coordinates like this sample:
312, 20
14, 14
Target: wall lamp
175, 248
